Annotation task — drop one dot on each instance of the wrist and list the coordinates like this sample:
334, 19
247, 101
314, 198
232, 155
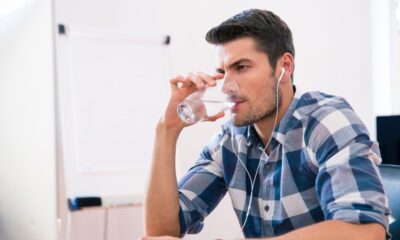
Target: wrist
166, 130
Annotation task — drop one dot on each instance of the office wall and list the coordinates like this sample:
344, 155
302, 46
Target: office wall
27, 155
385, 62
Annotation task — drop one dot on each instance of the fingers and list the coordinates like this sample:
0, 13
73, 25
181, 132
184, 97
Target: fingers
200, 80
210, 80
206, 79
180, 82
215, 117
217, 76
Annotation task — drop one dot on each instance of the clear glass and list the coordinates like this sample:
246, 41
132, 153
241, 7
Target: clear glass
204, 104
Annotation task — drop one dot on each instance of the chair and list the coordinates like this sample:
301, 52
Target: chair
391, 182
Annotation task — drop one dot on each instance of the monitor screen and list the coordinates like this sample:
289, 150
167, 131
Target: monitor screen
388, 136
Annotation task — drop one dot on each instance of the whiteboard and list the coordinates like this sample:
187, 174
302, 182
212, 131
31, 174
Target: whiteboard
111, 90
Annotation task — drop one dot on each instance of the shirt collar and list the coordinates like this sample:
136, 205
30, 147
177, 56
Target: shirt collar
252, 136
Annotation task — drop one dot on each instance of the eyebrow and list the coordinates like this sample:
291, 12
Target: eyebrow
240, 61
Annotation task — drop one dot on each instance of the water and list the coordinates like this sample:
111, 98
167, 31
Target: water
192, 111
215, 107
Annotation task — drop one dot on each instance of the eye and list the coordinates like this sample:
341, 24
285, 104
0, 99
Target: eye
220, 71
241, 67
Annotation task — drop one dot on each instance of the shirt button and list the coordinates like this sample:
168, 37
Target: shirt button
268, 166
266, 208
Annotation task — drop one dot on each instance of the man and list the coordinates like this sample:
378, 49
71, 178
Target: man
296, 165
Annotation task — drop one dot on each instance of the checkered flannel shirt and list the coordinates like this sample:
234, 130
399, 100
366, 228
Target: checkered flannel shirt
322, 165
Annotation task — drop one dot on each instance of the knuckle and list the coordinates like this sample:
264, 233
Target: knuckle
175, 78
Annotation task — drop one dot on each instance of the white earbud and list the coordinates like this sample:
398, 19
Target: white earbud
280, 76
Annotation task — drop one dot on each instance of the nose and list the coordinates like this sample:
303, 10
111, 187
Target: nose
230, 87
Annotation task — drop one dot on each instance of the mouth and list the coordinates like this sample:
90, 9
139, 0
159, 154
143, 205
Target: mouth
237, 103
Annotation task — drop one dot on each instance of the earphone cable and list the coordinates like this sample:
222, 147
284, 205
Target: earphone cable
252, 181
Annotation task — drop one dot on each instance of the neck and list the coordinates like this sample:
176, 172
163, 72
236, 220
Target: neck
265, 126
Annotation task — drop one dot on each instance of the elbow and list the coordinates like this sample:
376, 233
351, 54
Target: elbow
373, 231
159, 228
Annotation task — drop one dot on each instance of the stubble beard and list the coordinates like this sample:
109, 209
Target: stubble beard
267, 110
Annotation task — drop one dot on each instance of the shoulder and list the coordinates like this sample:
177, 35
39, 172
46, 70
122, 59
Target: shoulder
319, 102
331, 125
330, 114
324, 113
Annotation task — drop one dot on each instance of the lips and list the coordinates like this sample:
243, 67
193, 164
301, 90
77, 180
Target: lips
237, 103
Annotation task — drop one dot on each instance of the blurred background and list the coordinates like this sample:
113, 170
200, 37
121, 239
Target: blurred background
346, 48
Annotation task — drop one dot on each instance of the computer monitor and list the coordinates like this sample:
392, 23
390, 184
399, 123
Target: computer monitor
388, 136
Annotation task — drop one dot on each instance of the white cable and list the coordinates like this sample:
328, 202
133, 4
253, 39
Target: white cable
252, 181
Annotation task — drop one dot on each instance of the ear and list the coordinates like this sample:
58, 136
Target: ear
286, 61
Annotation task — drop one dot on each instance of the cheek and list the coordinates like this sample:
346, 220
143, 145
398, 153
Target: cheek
262, 100
260, 93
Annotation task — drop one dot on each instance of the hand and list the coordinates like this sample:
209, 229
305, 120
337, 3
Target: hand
182, 87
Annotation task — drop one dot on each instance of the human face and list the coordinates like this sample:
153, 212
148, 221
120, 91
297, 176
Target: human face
249, 69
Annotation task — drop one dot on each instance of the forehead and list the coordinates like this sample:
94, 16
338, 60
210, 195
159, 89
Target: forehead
230, 52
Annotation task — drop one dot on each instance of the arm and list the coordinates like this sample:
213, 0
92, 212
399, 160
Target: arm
348, 183
334, 230
161, 211
161, 203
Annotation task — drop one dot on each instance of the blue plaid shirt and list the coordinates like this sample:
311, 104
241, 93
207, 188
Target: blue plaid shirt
322, 165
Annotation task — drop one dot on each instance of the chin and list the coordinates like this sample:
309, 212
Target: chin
238, 122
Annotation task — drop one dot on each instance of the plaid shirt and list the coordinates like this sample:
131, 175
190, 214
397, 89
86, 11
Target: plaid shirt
322, 165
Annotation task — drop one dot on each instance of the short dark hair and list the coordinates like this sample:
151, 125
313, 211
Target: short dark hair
270, 32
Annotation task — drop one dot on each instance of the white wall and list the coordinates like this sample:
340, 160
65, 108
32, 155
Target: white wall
27, 146
384, 59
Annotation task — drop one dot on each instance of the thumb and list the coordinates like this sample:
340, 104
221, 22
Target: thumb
215, 117
218, 76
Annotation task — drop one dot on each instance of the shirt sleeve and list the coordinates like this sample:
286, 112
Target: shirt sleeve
202, 188
348, 182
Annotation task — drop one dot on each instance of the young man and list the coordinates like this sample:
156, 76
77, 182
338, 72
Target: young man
296, 165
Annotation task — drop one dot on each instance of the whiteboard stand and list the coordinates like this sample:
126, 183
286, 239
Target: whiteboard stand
105, 228
111, 88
